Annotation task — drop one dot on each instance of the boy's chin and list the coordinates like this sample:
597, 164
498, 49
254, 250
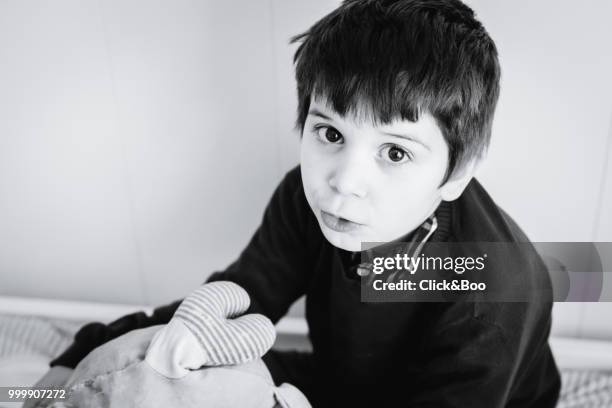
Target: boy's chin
342, 240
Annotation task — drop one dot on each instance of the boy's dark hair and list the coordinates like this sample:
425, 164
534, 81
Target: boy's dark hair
397, 58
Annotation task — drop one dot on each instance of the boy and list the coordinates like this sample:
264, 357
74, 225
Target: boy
396, 102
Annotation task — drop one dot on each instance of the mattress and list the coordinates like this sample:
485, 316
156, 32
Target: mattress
28, 343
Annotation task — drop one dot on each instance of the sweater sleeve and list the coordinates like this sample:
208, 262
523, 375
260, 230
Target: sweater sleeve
275, 266
272, 269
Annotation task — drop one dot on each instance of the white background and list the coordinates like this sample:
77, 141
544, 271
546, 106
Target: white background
141, 140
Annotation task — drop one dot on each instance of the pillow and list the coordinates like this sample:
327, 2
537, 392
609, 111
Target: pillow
209, 354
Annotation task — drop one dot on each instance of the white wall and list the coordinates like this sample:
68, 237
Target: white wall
130, 130
550, 159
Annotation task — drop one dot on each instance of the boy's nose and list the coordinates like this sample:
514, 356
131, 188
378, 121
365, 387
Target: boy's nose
349, 178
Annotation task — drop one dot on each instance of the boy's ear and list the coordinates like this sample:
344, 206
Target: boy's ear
454, 186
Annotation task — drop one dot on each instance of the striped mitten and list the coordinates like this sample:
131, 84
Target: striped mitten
208, 330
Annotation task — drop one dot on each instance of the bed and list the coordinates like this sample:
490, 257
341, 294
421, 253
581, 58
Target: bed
34, 331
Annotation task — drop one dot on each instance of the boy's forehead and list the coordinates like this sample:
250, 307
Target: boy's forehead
363, 115
358, 111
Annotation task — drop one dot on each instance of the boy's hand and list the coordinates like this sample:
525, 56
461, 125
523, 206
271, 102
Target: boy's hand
56, 377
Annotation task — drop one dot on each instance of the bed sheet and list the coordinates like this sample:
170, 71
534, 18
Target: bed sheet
28, 343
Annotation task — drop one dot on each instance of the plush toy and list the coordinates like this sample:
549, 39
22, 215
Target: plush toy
208, 355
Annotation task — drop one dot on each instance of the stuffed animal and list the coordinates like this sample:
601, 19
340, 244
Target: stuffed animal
208, 355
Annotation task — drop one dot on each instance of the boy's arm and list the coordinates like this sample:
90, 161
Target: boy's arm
272, 269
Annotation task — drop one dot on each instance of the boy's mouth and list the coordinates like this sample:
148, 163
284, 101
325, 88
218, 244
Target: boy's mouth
338, 224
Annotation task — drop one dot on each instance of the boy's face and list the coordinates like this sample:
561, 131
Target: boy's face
367, 182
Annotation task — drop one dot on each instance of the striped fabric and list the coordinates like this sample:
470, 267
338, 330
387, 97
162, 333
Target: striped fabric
585, 389
211, 314
32, 335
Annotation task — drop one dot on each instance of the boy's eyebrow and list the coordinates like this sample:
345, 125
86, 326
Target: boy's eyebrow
407, 137
315, 112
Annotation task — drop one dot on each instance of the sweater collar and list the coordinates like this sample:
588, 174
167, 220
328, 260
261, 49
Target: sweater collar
436, 228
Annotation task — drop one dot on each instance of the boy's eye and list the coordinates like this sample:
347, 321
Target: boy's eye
328, 134
396, 154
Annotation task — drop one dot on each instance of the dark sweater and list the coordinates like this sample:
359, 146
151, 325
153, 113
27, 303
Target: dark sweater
461, 354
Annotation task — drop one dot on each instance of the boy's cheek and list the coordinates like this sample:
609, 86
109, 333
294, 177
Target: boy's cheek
313, 177
308, 189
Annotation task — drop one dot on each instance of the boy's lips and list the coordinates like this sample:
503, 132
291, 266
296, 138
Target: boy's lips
338, 224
